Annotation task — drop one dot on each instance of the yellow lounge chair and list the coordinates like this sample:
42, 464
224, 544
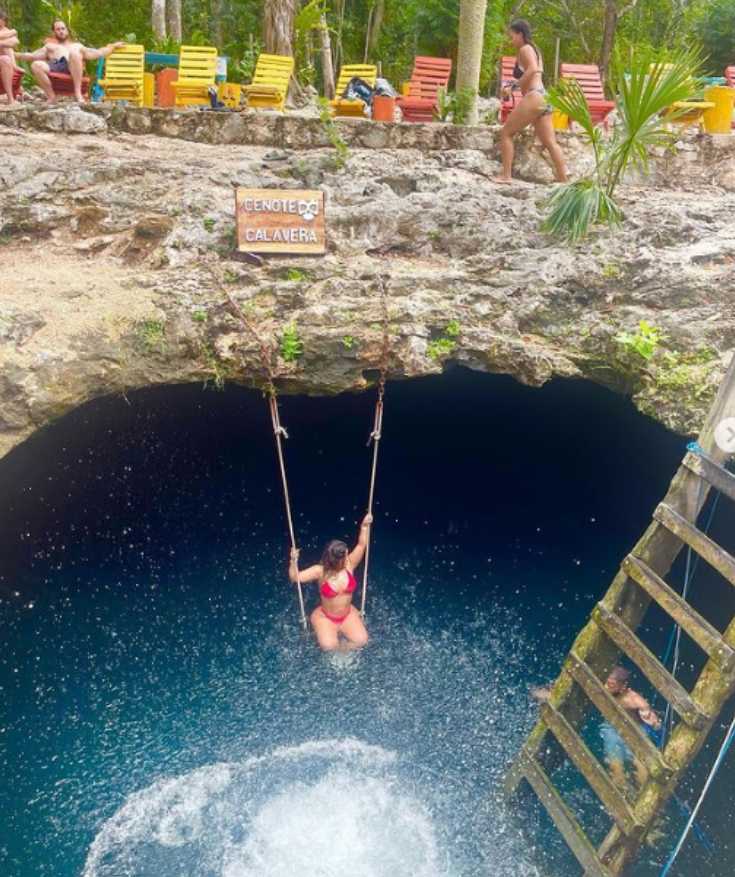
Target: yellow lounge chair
197, 68
685, 112
340, 105
124, 75
269, 87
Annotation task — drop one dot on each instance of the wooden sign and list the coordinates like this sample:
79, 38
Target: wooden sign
280, 221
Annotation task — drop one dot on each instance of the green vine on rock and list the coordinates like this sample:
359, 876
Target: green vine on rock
342, 151
291, 345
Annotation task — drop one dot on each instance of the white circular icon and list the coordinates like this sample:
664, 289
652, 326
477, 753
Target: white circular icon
725, 435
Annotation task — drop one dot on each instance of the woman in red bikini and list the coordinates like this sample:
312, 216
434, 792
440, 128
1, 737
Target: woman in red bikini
336, 572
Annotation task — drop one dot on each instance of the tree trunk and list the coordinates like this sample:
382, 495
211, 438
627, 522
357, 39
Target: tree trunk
469, 54
609, 27
326, 50
173, 19
278, 23
375, 26
158, 18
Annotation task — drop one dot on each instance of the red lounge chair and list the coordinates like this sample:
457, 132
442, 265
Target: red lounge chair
17, 82
506, 74
588, 77
429, 75
730, 76
62, 83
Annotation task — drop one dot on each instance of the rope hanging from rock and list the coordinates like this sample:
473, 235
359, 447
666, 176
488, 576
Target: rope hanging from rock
279, 433
377, 433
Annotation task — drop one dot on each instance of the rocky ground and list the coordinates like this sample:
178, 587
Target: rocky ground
109, 239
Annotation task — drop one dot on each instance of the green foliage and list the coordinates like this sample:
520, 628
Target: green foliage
646, 90
716, 29
296, 275
152, 335
348, 342
641, 345
457, 105
291, 345
245, 68
342, 152
307, 20
199, 316
208, 223
209, 355
442, 347
453, 329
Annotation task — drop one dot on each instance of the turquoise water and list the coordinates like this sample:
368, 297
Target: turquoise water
162, 713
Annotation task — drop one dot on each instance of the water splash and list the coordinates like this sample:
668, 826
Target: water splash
323, 808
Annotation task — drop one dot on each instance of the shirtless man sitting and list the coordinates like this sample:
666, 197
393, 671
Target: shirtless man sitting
8, 42
62, 54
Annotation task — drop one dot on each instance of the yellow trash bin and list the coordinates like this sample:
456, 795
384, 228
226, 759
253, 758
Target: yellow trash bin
559, 120
149, 90
718, 119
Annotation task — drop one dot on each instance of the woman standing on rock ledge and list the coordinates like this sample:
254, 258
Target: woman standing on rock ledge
532, 108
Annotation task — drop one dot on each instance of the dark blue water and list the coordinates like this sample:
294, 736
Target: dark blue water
162, 715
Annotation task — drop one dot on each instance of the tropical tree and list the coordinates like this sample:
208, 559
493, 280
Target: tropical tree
158, 18
469, 53
174, 20
646, 93
278, 26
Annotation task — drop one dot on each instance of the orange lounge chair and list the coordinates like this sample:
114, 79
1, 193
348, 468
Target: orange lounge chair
588, 77
429, 75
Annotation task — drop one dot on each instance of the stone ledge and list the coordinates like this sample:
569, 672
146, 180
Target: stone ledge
695, 160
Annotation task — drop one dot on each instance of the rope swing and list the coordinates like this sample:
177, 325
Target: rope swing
279, 433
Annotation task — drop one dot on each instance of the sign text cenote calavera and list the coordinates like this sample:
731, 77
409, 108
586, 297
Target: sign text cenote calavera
280, 221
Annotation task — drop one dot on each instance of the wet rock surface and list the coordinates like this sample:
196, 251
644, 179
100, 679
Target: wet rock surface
110, 235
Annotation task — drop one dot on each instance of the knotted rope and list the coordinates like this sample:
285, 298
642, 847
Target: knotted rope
279, 433
376, 434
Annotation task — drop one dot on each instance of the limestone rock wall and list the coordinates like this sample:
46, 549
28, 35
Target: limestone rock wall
110, 221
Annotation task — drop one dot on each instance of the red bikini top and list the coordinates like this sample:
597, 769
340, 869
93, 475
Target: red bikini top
328, 590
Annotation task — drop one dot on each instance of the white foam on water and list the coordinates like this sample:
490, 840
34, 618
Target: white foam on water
321, 809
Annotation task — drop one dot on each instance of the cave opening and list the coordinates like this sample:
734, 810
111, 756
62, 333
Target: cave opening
165, 715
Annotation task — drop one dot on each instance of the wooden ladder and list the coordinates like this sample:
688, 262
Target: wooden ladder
609, 633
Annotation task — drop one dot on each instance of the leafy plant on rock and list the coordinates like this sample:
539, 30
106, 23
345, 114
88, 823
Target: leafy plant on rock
342, 151
640, 345
444, 346
647, 90
291, 345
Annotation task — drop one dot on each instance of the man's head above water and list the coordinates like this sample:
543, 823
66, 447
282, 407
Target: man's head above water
618, 680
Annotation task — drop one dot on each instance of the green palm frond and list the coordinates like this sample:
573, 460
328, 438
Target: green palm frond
647, 94
575, 207
568, 98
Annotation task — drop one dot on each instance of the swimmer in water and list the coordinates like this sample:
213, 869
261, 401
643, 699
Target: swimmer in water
617, 752
336, 622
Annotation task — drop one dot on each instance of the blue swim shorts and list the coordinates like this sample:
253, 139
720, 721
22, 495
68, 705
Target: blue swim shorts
614, 745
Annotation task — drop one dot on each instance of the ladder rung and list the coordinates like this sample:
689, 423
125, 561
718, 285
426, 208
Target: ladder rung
652, 668
714, 555
712, 472
564, 819
634, 736
698, 628
591, 770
